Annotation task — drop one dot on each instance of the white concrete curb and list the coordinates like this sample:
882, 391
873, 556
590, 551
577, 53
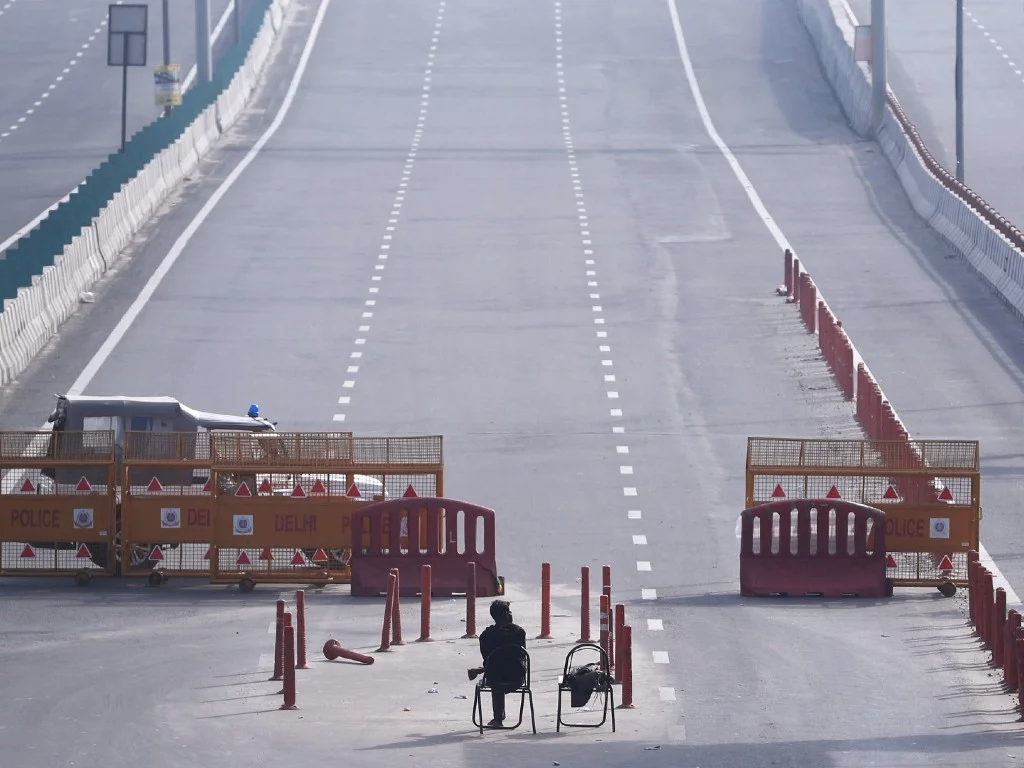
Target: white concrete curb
28, 321
994, 257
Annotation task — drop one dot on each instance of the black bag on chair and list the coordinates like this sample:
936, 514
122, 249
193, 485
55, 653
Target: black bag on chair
582, 682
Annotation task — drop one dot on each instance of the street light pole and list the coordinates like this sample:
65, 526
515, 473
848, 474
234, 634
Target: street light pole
960, 90
879, 76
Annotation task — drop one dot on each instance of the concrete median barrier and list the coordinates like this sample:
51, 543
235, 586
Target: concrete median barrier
991, 245
42, 281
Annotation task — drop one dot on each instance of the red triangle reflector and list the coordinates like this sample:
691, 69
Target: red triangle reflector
83, 551
833, 493
83, 485
156, 553
319, 556
890, 493
778, 493
265, 486
946, 564
354, 492
243, 490
207, 555
265, 554
243, 558
318, 487
297, 492
27, 486
945, 495
207, 487
410, 492
298, 559
154, 485
28, 551
890, 561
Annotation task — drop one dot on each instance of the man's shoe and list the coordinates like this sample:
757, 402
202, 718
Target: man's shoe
496, 723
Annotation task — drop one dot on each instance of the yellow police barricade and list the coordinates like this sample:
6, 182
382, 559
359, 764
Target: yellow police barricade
166, 505
59, 495
283, 502
929, 490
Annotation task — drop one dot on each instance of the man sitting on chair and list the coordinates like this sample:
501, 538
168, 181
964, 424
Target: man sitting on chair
507, 670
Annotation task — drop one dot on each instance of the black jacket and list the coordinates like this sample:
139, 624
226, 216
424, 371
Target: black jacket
507, 667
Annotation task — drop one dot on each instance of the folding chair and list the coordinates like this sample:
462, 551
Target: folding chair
489, 679
603, 686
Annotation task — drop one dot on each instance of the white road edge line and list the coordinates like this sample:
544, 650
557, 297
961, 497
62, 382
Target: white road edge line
1012, 600
184, 87
111, 342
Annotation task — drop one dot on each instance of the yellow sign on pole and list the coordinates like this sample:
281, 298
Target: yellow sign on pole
166, 78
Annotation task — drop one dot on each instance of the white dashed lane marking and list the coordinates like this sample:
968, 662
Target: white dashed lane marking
597, 311
999, 48
396, 211
59, 79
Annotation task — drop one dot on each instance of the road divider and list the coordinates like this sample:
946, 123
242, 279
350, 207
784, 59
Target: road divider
44, 274
990, 243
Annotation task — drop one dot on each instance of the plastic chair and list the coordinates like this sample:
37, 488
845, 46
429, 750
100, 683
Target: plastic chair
489, 679
603, 686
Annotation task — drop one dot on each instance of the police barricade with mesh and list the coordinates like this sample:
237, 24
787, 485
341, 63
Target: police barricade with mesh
451, 534
813, 547
59, 496
166, 504
930, 491
284, 501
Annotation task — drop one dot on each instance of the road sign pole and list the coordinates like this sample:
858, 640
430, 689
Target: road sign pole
167, 42
204, 65
879, 76
960, 90
124, 103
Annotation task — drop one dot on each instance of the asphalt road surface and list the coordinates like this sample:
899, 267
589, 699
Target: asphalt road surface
60, 105
922, 56
576, 293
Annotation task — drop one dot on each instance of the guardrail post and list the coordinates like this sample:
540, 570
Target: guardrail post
545, 602
279, 644
425, 588
585, 604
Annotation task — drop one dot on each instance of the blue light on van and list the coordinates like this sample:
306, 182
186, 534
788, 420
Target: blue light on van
254, 411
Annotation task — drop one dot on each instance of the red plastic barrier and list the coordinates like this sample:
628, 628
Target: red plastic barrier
374, 554
800, 570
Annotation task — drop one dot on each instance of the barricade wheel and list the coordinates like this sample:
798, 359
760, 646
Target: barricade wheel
82, 578
245, 584
947, 588
156, 579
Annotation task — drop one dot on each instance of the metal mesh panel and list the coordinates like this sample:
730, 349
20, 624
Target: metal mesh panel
56, 447
280, 560
167, 446
50, 556
322, 450
916, 567
868, 489
938, 455
145, 557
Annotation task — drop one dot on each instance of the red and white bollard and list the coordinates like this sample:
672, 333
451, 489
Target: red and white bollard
585, 604
279, 644
470, 600
626, 643
545, 602
333, 650
605, 627
289, 664
425, 587
300, 630
385, 633
620, 622
396, 611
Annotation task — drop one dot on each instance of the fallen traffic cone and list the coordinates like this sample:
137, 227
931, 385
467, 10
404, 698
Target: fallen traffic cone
333, 650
